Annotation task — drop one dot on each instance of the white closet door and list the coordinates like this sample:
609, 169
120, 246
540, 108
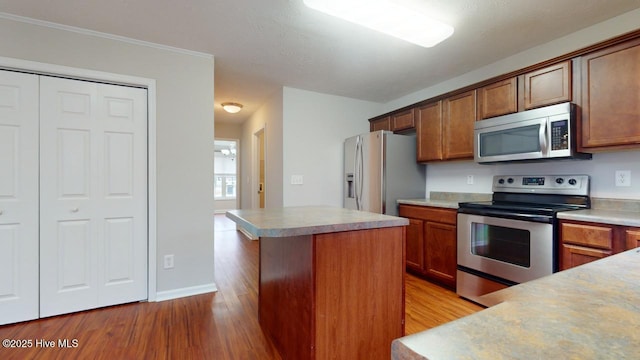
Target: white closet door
93, 194
18, 197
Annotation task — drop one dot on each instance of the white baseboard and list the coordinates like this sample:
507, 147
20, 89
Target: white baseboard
184, 292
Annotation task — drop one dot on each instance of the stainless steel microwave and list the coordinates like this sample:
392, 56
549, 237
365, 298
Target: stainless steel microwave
539, 134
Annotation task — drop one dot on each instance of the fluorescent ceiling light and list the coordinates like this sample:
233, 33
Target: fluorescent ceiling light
387, 17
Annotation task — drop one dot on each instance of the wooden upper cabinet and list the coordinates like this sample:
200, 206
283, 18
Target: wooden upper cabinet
548, 86
459, 115
610, 97
402, 121
429, 132
499, 98
380, 124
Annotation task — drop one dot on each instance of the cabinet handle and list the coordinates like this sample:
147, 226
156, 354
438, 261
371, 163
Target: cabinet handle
75, 210
1, 212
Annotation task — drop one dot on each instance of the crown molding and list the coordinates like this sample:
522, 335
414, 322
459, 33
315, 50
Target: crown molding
99, 34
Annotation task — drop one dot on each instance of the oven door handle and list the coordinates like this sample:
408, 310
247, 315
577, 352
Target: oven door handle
509, 215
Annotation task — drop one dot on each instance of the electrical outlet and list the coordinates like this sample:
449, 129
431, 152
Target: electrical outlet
469, 179
168, 261
623, 178
297, 180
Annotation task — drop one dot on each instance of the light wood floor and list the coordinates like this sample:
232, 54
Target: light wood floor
222, 325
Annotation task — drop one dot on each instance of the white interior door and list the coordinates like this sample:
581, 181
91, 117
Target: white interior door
18, 197
93, 195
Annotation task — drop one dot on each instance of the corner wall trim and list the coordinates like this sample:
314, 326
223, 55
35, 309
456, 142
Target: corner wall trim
184, 292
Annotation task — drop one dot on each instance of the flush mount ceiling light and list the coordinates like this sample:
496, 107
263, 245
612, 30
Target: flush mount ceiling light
231, 107
387, 17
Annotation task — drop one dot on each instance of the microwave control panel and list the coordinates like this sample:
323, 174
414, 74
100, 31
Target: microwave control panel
560, 135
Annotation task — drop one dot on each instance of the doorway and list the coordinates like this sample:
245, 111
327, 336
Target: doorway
261, 164
225, 163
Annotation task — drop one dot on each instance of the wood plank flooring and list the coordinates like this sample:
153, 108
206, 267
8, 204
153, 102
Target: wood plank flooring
221, 325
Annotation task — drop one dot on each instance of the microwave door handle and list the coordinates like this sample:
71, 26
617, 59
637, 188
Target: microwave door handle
542, 137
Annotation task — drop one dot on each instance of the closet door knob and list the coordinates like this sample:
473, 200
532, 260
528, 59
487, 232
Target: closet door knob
75, 210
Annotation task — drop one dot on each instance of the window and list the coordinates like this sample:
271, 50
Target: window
225, 186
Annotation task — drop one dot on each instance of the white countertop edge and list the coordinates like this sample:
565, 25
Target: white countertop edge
612, 217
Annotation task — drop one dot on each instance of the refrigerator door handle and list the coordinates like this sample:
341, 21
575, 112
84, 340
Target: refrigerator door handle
356, 173
360, 174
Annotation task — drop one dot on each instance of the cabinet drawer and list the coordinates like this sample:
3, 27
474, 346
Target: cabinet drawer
587, 235
439, 215
573, 256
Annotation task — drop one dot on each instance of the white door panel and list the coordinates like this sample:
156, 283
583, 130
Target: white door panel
123, 203
18, 197
93, 195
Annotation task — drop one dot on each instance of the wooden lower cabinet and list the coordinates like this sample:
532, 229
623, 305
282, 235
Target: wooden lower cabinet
431, 243
415, 245
583, 242
632, 237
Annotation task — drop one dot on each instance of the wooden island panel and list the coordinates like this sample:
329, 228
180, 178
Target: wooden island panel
333, 295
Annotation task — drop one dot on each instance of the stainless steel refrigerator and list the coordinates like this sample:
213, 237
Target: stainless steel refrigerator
380, 168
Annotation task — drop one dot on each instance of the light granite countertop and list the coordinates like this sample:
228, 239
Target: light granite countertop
613, 217
587, 312
308, 220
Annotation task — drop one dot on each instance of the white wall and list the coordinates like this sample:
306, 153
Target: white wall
315, 126
184, 134
268, 117
451, 176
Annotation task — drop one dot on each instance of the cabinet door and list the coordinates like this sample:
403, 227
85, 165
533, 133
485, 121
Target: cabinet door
415, 245
380, 124
459, 115
573, 256
402, 121
18, 197
498, 99
429, 132
610, 102
632, 237
440, 252
551, 85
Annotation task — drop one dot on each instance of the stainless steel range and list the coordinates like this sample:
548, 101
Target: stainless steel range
514, 238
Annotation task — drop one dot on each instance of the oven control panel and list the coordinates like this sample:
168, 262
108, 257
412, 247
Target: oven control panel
544, 184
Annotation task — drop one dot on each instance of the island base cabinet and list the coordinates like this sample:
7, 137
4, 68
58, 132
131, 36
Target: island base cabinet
334, 295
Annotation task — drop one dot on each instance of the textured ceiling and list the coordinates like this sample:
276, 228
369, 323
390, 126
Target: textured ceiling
262, 45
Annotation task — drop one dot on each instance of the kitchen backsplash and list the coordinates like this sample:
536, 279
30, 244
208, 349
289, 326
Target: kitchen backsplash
459, 197
469, 177
615, 204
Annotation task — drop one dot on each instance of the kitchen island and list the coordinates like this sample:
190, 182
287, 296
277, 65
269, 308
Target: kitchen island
331, 281
587, 312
